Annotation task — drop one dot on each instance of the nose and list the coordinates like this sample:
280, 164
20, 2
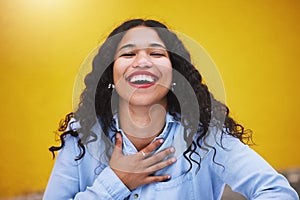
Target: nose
142, 60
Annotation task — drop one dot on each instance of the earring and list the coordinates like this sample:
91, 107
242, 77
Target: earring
172, 87
111, 86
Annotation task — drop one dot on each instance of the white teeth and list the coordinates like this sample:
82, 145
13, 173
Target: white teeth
141, 77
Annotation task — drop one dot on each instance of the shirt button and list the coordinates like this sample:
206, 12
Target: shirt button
135, 196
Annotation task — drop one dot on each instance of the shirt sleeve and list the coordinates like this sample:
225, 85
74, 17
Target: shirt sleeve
249, 174
65, 180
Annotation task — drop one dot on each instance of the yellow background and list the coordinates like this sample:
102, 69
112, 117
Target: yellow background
255, 44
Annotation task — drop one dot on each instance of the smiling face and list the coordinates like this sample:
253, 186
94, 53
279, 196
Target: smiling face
142, 69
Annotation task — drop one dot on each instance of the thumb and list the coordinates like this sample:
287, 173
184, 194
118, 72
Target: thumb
119, 143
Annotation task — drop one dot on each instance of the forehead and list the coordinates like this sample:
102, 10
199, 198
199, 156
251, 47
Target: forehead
140, 36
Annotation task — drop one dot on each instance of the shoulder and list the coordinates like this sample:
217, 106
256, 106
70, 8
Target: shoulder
69, 141
218, 145
73, 125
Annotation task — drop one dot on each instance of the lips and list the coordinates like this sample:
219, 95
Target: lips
142, 79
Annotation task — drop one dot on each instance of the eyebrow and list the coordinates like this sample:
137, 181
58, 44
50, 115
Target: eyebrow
157, 45
150, 45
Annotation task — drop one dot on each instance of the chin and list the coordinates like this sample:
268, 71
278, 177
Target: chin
145, 100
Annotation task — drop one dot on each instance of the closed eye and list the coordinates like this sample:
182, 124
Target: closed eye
127, 55
157, 54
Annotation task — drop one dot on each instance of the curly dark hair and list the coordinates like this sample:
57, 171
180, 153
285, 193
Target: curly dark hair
100, 101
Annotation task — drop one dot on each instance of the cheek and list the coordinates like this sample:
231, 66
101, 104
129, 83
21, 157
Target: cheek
115, 74
120, 67
167, 70
164, 64
118, 71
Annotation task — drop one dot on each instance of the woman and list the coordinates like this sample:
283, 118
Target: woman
148, 128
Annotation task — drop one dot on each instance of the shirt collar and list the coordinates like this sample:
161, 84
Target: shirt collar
128, 147
169, 119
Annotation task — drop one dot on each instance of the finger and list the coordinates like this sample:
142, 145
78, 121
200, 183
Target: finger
119, 142
161, 165
152, 179
159, 156
151, 147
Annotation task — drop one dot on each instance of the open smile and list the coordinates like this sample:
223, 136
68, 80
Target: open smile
142, 79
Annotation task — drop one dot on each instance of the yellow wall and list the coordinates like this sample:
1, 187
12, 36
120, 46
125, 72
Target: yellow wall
255, 44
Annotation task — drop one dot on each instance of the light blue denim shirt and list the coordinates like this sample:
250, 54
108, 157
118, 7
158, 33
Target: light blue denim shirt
234, 164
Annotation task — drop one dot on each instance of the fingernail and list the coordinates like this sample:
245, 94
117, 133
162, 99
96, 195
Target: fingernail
172, 149
161, 141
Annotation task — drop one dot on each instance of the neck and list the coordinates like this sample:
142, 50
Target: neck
141, 124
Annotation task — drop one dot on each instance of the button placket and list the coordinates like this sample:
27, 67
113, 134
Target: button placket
136, 194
